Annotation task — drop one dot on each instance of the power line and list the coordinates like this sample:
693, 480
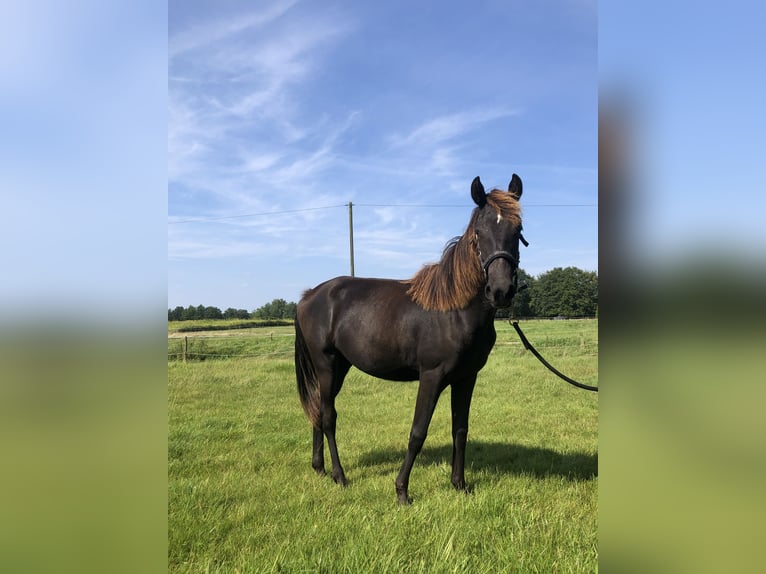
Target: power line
407, 205
204, 219
464, 206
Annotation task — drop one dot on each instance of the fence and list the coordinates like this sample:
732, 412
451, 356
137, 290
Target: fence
202, 347
279, 343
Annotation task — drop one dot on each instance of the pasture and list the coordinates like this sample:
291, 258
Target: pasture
244, 498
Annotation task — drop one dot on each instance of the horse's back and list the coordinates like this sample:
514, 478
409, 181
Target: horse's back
352, 292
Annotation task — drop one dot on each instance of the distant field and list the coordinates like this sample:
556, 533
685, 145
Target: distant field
244, 498
201, 325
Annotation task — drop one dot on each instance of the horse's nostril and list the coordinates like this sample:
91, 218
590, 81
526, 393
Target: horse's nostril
496, 296
500, 297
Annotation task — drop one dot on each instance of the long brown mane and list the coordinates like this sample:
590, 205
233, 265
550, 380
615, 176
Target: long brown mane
451, 283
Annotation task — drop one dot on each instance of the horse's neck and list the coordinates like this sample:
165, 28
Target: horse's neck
480, 311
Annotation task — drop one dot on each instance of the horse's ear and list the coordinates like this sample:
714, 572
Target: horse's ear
477, 192
514, 188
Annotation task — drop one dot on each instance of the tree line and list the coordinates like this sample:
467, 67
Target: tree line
277, 309
560, 292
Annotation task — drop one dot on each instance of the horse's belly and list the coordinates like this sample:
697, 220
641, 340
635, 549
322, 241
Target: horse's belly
383, 351
395, 374
379, 361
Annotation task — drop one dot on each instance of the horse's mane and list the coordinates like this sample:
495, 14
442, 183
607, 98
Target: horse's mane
451, 283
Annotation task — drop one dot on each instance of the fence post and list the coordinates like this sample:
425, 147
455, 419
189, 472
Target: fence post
186, 346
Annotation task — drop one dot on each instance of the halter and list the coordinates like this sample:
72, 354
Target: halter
503, 255
500, 255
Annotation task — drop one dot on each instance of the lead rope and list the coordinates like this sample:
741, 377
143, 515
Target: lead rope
528, 346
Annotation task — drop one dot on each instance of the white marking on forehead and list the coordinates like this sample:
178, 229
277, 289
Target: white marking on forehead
499, 218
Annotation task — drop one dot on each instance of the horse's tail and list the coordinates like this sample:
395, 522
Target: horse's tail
308, 386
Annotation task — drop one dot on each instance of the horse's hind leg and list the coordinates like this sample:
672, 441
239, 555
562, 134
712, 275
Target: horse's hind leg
317, 459
329, 416
331, 382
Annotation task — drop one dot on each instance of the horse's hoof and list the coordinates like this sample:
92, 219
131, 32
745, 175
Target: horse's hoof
340, 480
402, 498
320, 471
463, 487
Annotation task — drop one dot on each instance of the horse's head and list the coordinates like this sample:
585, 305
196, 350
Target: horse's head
497, 232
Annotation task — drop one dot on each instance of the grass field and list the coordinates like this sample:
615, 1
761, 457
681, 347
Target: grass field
244, 498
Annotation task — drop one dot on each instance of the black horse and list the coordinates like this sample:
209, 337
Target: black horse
437, 327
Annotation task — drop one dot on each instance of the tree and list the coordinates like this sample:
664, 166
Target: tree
277, 309
232, 313
176, 314
212, 313
522, 301
205, 312
570, 292
190, 313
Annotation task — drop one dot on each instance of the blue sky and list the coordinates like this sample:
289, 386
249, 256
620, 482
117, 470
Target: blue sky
83, 164
695, 99
282, 112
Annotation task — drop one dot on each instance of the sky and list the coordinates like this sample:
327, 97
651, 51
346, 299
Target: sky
283, 112
83, 160
693, 99
118, 120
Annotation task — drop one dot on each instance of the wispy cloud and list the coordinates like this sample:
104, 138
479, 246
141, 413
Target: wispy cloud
207, 33
280, 235
438, 143
446, 128
237, 129
255, 162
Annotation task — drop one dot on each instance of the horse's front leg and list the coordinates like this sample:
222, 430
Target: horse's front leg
428, 395
461, 405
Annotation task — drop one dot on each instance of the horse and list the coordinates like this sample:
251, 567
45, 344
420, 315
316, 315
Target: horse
437, 326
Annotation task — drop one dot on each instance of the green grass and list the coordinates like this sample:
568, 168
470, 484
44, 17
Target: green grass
256, 342
244, 498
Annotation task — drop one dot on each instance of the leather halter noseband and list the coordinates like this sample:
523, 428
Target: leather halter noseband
503, 255
500, 255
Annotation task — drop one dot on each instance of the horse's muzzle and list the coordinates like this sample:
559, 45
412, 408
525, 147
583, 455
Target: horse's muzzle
500, 288
499, 298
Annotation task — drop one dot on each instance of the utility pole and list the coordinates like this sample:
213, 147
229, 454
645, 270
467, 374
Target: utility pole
351, 234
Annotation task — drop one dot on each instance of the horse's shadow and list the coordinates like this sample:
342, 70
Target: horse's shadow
495, 458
